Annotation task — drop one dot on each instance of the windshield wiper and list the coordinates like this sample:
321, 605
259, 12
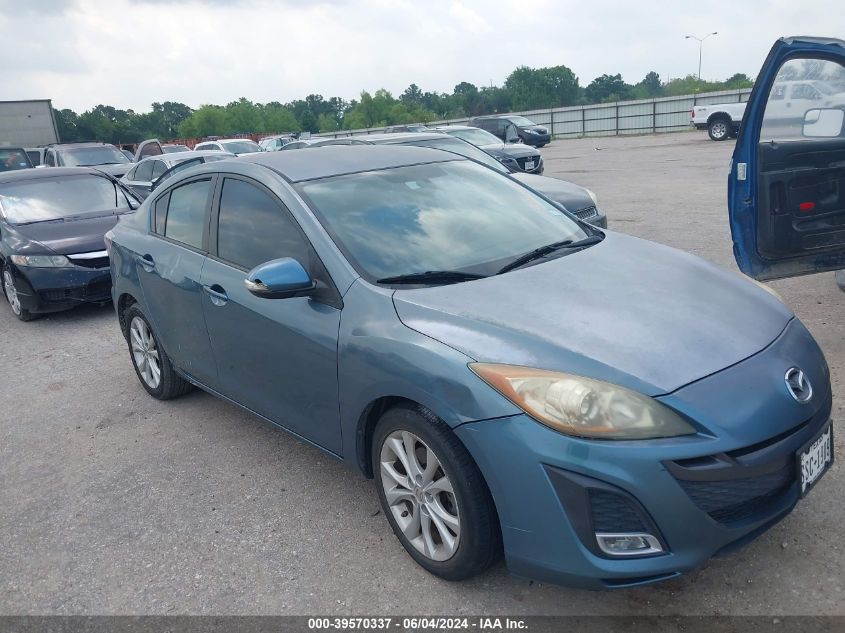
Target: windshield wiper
541, 252
432, 277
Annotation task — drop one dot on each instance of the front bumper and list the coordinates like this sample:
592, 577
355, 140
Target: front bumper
745, 478
535, 140
43, 290
518, 164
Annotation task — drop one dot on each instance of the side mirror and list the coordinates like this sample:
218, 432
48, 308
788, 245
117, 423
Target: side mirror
823, 123
280, 279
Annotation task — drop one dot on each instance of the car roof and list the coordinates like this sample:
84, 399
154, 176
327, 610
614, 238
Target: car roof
398, 137
178, 157
336, 160
45, 174
79, 144
445, 128
229, 140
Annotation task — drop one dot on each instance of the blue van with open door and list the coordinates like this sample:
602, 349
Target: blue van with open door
786, 190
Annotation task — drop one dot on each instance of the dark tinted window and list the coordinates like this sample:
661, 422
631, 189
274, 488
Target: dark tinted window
51, 159
161, 213
11, 159
144, 171
186, 213
34, 157
254, 227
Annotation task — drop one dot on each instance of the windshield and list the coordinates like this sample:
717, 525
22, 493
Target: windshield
240, 147
52, 198
172, 149
11, 159
520, 121
456, 216
476, 136
457, 146
86, 156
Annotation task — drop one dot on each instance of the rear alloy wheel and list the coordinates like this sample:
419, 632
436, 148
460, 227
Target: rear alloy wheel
433, 494
152, 365
12, 297
719, 129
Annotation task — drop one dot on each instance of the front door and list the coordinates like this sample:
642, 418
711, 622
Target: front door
277, 357
786, 190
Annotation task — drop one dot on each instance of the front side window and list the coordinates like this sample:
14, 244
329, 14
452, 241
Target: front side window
806, 101
44, 199
253, 227
456, 216
186, 213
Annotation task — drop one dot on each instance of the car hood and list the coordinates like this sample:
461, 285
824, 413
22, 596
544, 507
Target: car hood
63, 238
514, 150
570, 195
626, 311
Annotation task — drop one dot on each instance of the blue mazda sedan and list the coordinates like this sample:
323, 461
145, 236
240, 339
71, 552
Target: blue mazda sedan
604, 411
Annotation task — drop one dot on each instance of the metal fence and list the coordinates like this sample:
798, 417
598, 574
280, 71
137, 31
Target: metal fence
646, 116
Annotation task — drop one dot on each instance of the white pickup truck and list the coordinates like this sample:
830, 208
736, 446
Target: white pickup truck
720, 120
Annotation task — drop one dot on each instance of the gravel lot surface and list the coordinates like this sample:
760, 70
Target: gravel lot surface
113, 502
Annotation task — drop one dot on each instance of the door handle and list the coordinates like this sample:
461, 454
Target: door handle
146, 261
217, 294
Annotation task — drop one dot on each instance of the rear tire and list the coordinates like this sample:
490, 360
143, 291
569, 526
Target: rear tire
719, 129
433, 495
151, 363
11, 294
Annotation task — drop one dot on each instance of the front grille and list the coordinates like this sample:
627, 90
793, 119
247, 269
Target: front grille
98, 262
96, 291
613, 513
737, 499
586, 212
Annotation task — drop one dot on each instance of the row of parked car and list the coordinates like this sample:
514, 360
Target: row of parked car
601, 410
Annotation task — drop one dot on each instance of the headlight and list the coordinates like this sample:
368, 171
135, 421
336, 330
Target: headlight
594, 197
581, 406
41, 261
529, 131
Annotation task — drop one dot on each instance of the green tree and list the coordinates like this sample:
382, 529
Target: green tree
327, 123
532, 88
607, 88
209, 120
739, 80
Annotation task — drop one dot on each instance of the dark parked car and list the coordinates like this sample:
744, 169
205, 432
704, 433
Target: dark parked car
14, 158
515, 156
52, 223
104, 156
499, 125
578, 200
148, 173
607, 411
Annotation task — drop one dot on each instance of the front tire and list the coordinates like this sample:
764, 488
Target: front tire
151, 363
719, 129
433, 494
11, 293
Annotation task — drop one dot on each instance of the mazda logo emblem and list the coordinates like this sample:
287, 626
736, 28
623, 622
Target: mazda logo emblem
799, 385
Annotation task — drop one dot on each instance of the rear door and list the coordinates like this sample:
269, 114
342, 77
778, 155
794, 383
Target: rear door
786, 190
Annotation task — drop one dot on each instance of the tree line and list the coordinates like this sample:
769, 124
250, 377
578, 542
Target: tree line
524, 89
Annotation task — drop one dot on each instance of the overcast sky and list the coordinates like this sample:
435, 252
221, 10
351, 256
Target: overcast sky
129, 53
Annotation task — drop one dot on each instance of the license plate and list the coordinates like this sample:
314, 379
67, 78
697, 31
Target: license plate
815, 458
529, 164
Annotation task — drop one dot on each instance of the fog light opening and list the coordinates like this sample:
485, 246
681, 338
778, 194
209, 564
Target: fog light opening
628, 544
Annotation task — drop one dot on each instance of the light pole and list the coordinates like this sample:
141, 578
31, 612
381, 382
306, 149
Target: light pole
700, 41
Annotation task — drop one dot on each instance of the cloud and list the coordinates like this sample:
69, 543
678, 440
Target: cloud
129, 53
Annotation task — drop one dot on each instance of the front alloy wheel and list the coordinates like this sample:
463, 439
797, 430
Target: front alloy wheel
433, 494
12, 297
420, 495
719, 130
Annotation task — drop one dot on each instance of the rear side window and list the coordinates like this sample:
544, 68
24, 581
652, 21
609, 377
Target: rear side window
144, 171
254, 227
186, 213
34, 157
